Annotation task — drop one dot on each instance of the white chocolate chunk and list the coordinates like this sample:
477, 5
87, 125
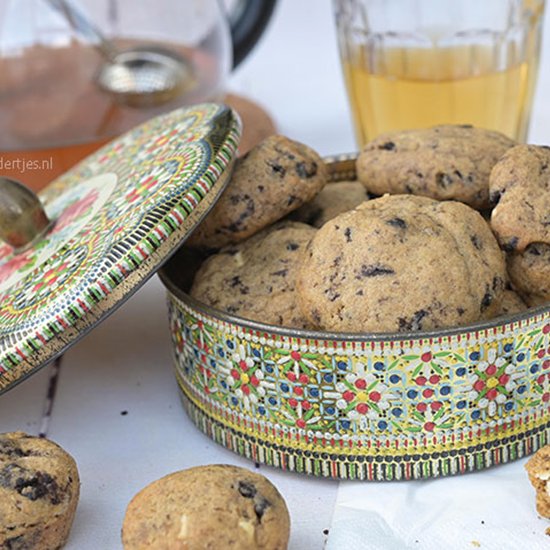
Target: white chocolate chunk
184, 529
248, 527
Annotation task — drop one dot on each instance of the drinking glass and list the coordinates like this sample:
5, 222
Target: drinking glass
417, 63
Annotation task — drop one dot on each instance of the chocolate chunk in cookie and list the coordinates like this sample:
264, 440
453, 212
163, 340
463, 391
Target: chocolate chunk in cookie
443, 162
273, 179
401, 263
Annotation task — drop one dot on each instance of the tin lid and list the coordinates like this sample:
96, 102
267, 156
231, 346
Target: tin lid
110, 223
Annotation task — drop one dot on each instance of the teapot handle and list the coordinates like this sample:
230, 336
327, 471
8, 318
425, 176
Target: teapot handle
247, 23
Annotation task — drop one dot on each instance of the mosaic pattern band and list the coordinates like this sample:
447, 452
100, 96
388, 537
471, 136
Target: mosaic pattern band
366, 409
362, 466
116, 216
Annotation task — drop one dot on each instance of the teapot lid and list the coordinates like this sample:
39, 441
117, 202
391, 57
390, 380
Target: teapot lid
116, 217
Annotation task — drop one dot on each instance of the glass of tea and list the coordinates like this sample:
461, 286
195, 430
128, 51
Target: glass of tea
52, 110
418, 63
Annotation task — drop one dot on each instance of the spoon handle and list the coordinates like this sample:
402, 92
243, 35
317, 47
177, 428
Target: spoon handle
81, 24
22, 217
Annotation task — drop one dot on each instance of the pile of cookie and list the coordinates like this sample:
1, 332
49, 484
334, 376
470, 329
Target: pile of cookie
443, 227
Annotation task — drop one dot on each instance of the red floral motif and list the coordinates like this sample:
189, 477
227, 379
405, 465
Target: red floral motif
5, 251
50, 277
208, 382
204, 350
77, 209
361, 394
295, 403
142, 189
300, 413
16, 263
245, 380
425, 367
492, 383
297, 366
429, 416
543, 383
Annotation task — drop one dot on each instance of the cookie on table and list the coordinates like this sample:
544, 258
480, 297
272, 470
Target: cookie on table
448, 162
332, 200
39, 489
256, 279
538, 469
216, 507
273, 179
511, 303
520, 190
401, 263
529, 272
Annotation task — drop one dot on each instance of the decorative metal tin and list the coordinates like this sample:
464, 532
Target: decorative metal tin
352, 406
117, 216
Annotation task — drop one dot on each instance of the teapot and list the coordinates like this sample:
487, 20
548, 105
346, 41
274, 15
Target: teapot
52, 111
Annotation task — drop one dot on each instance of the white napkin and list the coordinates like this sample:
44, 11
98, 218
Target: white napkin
491, 510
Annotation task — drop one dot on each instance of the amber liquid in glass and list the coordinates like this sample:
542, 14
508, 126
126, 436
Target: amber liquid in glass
52, 114
415, 88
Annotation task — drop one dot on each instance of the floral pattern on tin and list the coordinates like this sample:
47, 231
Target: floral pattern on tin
400, 394
243, 378
362, 396
106, 230
492, 382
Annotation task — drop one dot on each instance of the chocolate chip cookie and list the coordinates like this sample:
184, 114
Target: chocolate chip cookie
273, 179
39, 488
511, 303
401, 263
538, 469
443, 162
256, 279
332, 200
530, 273
520, 189
215, 507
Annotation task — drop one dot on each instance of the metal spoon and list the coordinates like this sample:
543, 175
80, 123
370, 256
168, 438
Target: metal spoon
144, 76
23, 220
